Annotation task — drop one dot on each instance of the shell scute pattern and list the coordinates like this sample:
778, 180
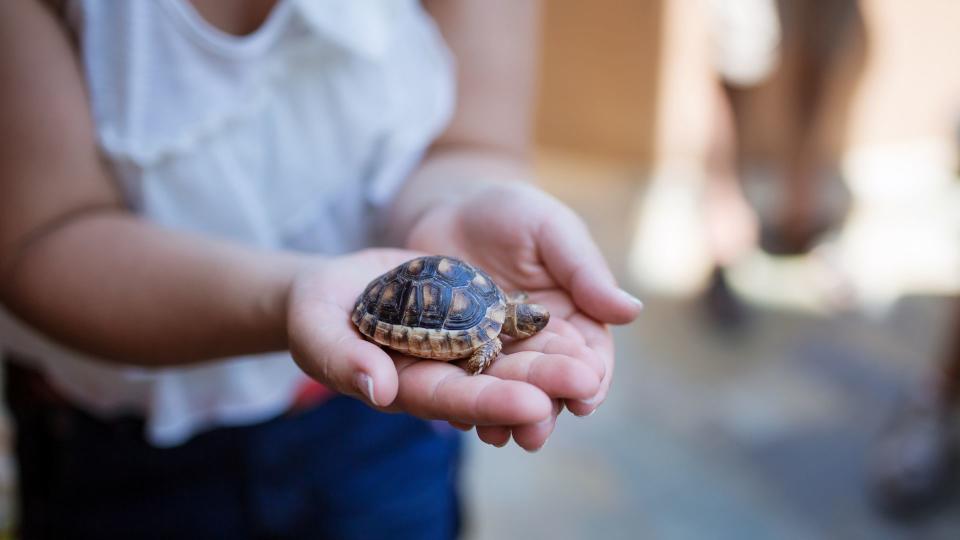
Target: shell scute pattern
438, 307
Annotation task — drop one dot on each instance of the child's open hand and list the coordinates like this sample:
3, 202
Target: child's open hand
328, 347
531, 242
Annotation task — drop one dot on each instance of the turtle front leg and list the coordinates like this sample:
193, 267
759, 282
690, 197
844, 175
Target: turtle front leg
518, 297
484, 356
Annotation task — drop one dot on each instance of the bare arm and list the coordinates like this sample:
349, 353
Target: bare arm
75, 264
496, 45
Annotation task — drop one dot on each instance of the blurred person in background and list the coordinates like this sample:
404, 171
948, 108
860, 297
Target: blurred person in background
914, 462
800, 61
775, 81
796, 61
187, 189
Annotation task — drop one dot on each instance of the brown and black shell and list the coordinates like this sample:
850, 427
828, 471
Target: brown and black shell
432, 307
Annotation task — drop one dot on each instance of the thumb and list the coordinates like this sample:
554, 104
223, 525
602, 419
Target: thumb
573, 259
328, 348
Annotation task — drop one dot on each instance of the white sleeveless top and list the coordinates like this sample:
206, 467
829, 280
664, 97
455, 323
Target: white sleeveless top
291, 137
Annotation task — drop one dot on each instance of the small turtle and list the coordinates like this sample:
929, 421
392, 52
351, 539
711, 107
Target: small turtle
443, 308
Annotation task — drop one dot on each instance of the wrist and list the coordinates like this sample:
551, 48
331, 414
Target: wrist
281, 274
449, 174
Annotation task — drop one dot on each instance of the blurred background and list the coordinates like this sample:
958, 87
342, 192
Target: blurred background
778, 181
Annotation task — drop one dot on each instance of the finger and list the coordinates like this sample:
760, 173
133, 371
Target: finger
497, 436
563, 328
584, 408
461, 426
596, 335
550, 343
327, 348
431, 389
532, 437
558, 375
600, 340
573, 259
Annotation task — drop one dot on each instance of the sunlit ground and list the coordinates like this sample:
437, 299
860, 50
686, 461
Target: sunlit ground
757, 434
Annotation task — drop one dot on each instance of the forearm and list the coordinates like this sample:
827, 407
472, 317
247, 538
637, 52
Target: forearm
488, 139
114, 286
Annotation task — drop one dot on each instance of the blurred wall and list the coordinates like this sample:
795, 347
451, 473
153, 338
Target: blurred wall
630, 79
599, 77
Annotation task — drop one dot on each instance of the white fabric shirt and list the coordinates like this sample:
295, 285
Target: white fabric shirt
291, 137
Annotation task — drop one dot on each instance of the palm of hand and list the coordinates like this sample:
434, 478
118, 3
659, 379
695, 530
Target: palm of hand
329, 348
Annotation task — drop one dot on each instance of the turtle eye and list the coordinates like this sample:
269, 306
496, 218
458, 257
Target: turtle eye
540, 318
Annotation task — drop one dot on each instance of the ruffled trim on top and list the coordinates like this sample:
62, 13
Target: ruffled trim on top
361, 29
148, 153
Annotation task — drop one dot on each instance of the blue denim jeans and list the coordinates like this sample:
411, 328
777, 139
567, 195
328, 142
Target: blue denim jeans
339, 470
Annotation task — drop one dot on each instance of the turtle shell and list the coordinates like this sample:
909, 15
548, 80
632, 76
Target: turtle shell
432, 307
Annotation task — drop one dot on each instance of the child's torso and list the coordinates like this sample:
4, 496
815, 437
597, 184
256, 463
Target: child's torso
291, 136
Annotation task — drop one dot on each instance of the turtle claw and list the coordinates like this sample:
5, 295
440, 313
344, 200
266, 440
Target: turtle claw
483, 357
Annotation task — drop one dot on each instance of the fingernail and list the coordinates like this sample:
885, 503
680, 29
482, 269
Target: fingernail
539, 448
364, 384
632, 298
595, 400
593, 410
501, 445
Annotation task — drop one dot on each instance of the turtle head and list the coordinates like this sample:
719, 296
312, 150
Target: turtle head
525, 320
